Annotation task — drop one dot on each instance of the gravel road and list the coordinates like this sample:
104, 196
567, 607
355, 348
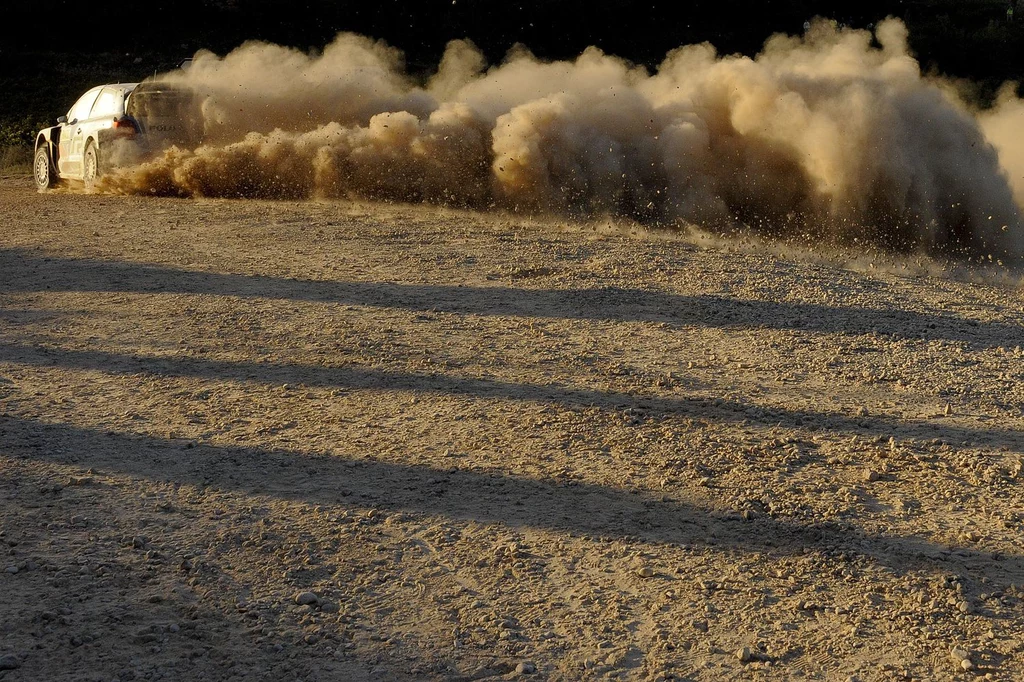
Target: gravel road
255, 440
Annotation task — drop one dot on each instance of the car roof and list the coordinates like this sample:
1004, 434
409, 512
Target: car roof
126, 88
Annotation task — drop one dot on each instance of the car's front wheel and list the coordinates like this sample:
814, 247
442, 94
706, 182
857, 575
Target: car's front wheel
91, 166
42, 169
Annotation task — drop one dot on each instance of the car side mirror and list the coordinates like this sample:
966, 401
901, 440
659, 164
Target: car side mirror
62, 119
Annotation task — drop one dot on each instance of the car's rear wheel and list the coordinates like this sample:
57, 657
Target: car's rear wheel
91, 166
42, 169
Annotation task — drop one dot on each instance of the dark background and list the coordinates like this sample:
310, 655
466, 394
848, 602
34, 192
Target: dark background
47, 60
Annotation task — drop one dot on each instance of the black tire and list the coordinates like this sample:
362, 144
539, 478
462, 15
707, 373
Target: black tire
91, 165
42, 170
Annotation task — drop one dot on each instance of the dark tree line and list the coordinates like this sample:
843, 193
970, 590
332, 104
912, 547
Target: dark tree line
638, 30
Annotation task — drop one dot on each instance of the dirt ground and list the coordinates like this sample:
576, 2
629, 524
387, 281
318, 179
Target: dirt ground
250, 440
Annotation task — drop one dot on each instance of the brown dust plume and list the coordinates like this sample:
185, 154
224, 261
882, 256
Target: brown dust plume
833, 136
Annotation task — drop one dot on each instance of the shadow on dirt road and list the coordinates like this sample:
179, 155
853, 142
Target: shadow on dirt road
322, 376
484, 496
25, 272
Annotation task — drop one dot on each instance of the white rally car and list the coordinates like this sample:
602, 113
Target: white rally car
149, 115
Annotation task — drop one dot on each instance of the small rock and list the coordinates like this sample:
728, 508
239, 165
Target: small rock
870, 475
306, 598
9, 662
526, 668
948, 411
966, 664
12, 569
744, 654
645, 572
964, 606
958, 654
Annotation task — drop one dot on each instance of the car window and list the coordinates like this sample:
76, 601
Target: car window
157, 100
107, 104
83, 106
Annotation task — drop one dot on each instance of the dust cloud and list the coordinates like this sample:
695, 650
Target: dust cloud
834, 136
1004, 127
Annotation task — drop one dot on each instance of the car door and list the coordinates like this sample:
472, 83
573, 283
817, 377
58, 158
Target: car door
109, 106
72, 138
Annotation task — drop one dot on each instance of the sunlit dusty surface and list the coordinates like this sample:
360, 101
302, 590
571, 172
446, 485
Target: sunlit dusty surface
487, 443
